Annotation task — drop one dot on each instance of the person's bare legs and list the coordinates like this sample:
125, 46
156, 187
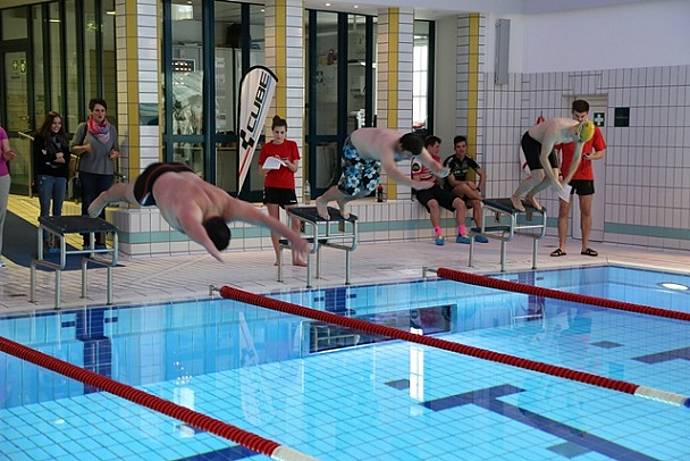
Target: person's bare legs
530, 197
296, 257
477, 212
460, 211
274, 212
563, 212
526, 186
586, 219
333, 193
465, 190
434, 213
118, 192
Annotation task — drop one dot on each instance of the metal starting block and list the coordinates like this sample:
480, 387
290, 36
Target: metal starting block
59, 227
508, 221
338, 233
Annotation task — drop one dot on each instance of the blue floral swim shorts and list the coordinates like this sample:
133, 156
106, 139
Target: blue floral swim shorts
359, 176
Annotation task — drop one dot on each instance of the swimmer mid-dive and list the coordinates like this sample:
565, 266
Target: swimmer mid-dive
364, 153
192, 206
537, 144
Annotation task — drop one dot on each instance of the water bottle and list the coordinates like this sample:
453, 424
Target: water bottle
307, 192
379, 193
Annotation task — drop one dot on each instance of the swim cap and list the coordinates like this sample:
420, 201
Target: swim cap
585, 130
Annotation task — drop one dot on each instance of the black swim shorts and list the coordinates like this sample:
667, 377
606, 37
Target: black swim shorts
532, 150
143, 186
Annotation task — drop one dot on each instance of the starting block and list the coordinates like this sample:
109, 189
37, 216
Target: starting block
322, 233
507, 222
59, 226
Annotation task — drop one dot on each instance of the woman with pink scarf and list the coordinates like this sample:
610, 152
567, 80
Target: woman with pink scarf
95, 142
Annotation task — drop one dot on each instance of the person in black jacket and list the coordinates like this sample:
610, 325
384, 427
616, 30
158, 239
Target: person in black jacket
51, 161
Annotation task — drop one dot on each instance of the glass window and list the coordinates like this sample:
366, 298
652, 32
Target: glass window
56, 93
325, 77
187, 68
420, 75
14, 25
38, 67
189, 153
356, 72
257, 42
71, 67
91, 28
109, 76
228, 66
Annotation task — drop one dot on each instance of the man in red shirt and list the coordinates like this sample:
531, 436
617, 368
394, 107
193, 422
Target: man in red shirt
582, 182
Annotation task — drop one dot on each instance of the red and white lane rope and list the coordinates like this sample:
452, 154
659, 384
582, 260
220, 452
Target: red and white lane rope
193, 418
472, 351
517, 287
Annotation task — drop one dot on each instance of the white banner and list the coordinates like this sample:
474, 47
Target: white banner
256, 91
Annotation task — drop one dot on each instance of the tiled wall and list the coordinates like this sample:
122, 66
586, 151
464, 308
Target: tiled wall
144, 233
647, 164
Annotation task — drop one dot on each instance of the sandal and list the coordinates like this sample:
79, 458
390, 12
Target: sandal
558, 252
589, 252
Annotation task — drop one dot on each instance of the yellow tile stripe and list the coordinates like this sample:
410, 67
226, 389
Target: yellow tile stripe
281, 60
132, 59
392, 76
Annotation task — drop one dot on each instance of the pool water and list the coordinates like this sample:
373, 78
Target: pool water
338, 394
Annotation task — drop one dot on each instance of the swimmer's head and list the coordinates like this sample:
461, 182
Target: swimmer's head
585, 130
218, 232
411, 143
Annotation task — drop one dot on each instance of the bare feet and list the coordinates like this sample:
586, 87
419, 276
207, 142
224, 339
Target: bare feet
322, 208
517, 203
343, 212
299, 263
533, 202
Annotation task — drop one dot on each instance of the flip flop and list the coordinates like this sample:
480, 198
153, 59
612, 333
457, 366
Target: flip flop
558, 252
589, 252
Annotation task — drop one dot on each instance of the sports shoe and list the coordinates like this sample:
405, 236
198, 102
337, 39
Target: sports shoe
462, 239
481, 239
440, 241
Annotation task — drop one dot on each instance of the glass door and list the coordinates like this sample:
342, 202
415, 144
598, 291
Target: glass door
340, 69
17, 121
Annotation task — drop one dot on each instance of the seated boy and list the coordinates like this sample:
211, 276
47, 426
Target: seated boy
436, 197
460, 164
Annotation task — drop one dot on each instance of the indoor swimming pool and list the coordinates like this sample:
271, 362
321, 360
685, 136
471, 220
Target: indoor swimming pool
339, 394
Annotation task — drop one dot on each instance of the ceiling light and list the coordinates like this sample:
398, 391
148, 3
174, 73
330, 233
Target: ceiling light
674, 286
356, 6
263, 10
328, 4
110, 13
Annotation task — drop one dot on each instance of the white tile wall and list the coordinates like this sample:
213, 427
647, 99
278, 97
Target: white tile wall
647, 164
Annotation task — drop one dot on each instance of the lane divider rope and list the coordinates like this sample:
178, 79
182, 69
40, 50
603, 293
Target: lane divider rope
517, 287
193, 418
472, 351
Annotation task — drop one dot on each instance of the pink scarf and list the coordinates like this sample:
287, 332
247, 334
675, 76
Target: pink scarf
100, 131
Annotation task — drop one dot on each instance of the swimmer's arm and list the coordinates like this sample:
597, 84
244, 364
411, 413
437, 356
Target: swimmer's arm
429, 162
391, 169
577, 156
237, 210
546, 147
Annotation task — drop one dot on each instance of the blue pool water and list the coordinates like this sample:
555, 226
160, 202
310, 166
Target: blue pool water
341, 395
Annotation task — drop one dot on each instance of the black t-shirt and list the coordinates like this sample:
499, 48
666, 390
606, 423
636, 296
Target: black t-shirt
459, 168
